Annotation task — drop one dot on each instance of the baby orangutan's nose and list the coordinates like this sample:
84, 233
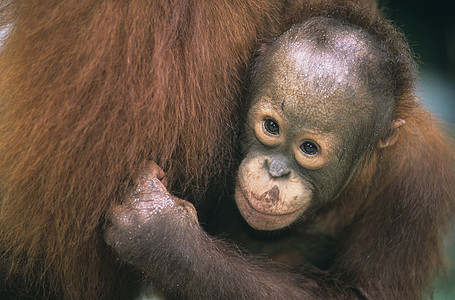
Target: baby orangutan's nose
277, 166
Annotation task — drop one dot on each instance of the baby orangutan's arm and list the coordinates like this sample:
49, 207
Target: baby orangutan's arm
152, 227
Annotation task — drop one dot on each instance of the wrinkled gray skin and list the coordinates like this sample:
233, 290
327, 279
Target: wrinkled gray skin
318, 83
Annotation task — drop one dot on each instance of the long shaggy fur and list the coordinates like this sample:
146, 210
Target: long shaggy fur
92, 89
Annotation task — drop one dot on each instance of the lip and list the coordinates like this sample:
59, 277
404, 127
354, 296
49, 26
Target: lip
254, 210
260, 220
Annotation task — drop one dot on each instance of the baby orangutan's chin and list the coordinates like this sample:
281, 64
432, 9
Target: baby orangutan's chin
263, 217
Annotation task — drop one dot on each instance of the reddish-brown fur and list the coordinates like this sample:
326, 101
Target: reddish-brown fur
92, 89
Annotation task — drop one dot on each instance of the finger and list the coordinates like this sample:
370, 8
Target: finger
155, 170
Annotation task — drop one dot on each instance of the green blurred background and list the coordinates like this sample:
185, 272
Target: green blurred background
430, 29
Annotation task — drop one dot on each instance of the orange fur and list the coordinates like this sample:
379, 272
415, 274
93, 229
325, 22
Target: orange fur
92, 89
405, 191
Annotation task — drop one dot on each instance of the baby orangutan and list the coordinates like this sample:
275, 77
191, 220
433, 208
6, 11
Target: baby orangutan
334, 139
322, 97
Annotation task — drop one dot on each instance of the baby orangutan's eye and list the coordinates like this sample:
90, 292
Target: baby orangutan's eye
271, 126
309, 148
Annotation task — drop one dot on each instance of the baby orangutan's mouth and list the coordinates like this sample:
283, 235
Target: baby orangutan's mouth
263, 212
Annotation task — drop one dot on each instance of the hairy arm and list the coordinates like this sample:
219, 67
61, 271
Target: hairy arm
160, 235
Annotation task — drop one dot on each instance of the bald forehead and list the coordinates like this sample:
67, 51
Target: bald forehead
325, 49
317, 85
321, 72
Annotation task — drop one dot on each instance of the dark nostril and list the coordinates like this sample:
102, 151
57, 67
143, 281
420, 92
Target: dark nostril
271, 196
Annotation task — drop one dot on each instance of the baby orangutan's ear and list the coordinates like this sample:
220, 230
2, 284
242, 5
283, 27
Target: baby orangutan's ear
392, 135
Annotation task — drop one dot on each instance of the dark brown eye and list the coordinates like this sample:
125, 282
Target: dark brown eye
309, 148
271, 127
